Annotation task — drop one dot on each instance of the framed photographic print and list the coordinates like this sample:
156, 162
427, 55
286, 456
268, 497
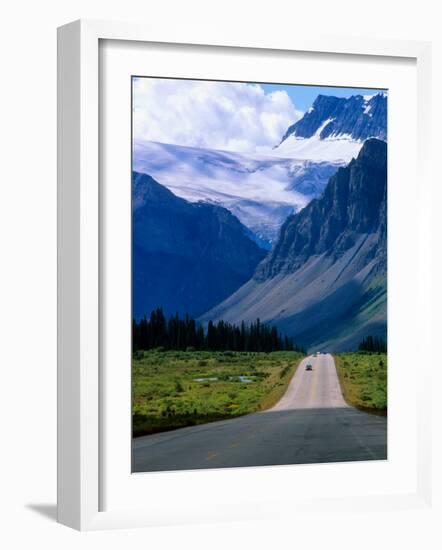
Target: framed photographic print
234, 249
259, 270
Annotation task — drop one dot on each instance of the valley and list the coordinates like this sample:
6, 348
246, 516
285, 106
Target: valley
294, 235
259, 293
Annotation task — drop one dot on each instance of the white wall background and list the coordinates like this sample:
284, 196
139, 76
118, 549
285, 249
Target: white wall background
28, 267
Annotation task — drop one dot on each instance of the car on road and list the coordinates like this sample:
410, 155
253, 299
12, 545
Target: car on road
308, 367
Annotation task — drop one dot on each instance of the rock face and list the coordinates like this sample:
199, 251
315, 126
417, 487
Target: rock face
186, 256
324, 283
356, 118
353, 204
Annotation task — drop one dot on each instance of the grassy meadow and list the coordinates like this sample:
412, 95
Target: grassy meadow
173, 389
363, 378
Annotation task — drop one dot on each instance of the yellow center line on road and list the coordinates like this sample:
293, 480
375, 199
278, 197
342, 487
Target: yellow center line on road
314, 384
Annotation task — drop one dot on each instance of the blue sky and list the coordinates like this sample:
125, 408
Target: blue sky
303, 96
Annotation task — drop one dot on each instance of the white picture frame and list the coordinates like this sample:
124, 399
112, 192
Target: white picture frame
80, 394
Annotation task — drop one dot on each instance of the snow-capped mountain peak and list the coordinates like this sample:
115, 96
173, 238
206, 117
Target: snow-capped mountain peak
334, 128
332, 116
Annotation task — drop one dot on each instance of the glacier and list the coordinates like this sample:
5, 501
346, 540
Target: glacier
261, 189
337, 149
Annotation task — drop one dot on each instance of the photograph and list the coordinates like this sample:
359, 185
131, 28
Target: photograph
226, 244
259, 274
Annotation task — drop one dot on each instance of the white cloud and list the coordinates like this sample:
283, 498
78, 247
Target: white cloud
218, 115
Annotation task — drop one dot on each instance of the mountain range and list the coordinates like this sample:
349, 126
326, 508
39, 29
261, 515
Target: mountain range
262, 189
295, 235
324, 282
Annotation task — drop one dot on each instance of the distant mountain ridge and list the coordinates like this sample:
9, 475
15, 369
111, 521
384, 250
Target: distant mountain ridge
186, 256
334, 128
324, 283
356, 117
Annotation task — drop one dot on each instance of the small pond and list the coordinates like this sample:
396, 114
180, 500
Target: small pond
240, 378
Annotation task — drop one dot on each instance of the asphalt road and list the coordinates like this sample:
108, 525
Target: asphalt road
318, 388
310, 424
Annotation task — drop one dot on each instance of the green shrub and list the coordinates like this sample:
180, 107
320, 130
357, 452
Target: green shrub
165, 395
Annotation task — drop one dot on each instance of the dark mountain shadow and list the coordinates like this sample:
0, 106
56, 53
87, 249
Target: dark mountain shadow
340, 316
186, 256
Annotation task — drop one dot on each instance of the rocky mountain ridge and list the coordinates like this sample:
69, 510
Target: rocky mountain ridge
324, 283
357, 118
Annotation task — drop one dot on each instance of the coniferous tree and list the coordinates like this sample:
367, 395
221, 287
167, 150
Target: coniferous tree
373, 344
185, 333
